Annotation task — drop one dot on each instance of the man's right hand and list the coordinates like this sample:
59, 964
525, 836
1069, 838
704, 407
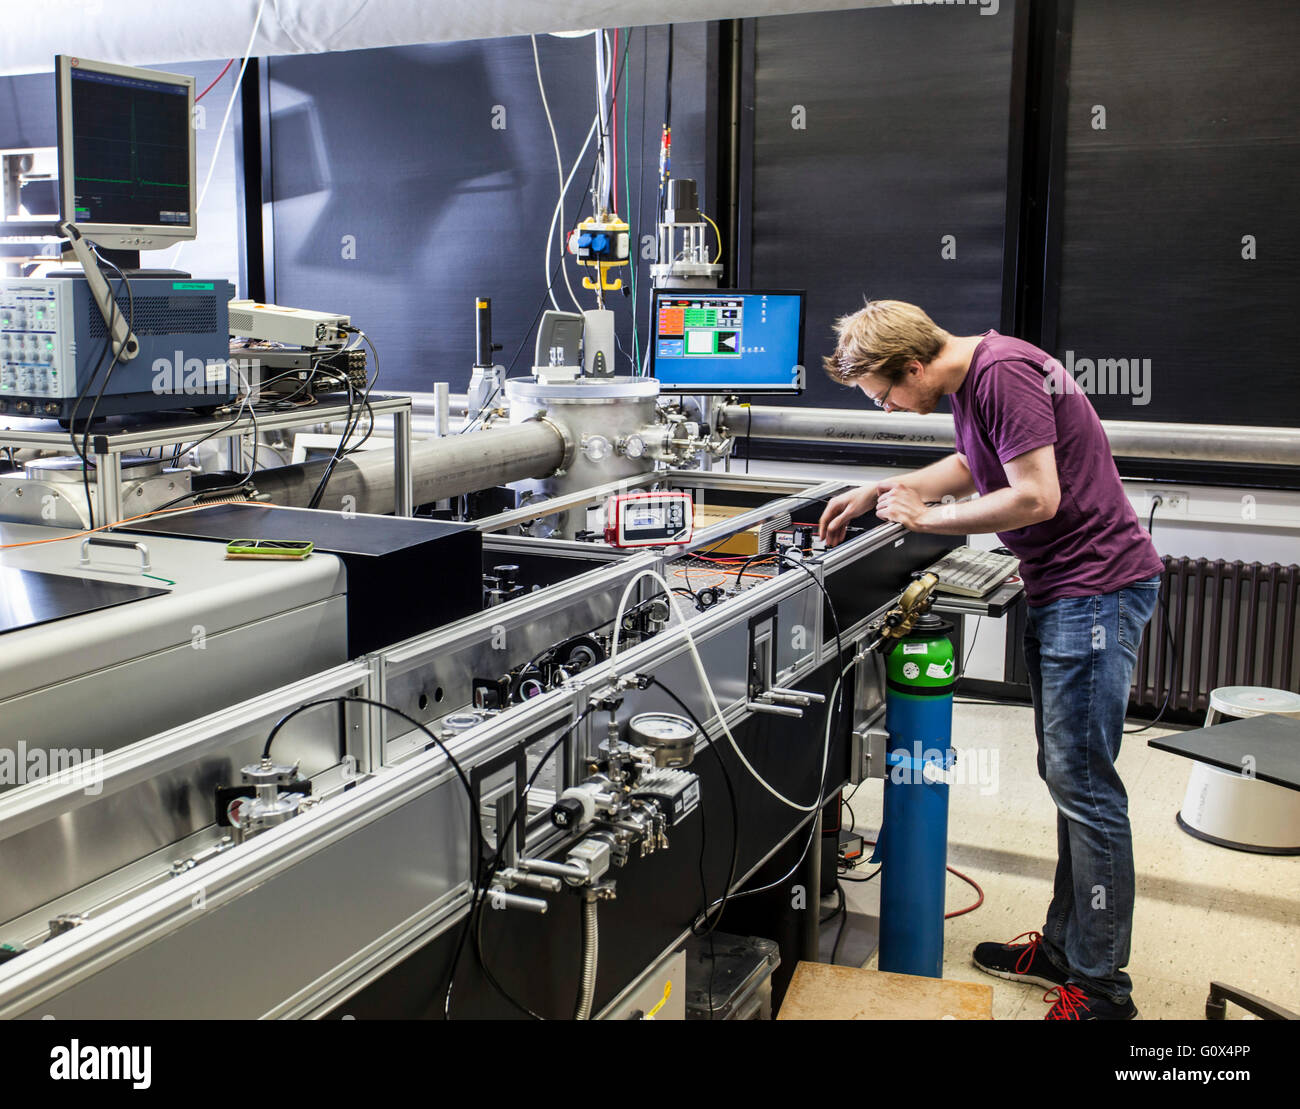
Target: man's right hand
844, 509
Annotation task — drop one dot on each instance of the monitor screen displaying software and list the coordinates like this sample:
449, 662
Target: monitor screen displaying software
727, 341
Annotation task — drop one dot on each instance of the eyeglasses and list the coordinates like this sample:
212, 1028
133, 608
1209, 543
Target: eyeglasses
880, 402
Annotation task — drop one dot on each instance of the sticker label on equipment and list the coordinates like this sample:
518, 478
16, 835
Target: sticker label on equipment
911, 670
934, 670
915, 648
216, 372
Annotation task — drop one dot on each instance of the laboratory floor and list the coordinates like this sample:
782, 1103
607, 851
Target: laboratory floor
1203, 912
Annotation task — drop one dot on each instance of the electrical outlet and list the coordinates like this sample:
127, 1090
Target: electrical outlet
1173, 502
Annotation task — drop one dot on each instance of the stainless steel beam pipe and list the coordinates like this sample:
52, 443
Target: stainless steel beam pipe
440, 468
1273, 446
422, 427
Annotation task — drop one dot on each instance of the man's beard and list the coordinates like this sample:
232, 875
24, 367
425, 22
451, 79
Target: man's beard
929, 401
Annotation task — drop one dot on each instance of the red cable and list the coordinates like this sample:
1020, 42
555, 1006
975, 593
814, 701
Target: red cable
219, 76
971, 908
964, 878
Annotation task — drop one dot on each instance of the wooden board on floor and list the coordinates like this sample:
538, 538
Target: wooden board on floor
821, 992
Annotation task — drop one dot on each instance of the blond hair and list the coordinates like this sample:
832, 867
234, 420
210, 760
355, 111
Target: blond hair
883, 338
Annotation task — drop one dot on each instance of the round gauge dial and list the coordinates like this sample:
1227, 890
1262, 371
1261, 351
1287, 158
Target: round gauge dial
662, 727
671, 737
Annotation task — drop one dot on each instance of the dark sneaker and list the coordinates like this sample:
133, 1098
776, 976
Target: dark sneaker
1019, 962
1075, 1003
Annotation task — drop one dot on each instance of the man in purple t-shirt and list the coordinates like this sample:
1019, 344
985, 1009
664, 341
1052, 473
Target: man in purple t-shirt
1030, 444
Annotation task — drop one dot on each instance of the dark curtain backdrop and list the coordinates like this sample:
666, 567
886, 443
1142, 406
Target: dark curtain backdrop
396, 148
1200, 149
901, 159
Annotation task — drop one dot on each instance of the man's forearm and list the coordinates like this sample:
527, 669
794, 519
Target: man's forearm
949, 477
1002, 510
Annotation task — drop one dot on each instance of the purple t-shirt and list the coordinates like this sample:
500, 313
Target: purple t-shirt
1015, 398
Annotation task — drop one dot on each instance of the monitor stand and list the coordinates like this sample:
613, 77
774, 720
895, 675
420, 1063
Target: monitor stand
128, 261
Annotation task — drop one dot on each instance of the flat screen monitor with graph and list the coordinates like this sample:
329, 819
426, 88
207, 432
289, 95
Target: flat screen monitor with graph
126, 153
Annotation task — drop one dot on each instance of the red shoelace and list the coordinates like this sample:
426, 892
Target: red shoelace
1071, 1003
1027, 956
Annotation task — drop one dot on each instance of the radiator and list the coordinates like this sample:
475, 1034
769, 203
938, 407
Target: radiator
1233, 623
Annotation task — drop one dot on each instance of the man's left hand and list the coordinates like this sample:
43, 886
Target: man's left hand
902, 505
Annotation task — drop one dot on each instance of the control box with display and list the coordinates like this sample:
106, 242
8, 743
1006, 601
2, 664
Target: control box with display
53, 339
648, 519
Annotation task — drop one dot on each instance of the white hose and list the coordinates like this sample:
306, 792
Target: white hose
225, 122
555, 215
603, 75
821, 783
713, 700
564, 186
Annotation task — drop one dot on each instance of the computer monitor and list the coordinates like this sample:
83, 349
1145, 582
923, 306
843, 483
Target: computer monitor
126, 154
727, 341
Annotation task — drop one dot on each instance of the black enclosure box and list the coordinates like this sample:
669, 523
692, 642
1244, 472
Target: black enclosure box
405, 576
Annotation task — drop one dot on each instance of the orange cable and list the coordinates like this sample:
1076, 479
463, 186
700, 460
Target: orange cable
129, 519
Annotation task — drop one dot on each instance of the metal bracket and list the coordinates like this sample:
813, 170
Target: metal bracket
867, 753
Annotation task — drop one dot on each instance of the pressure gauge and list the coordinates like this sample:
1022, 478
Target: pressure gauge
671, 737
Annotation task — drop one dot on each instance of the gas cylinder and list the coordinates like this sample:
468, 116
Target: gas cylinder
913, 843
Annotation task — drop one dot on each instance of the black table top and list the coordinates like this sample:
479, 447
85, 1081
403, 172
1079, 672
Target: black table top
329, 531
31, 597
1271, 741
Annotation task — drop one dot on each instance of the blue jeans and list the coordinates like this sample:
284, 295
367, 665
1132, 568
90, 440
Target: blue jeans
1080, 653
